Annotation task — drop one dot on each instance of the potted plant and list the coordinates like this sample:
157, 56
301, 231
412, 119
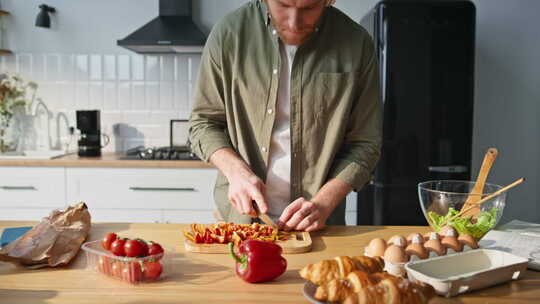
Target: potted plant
14, 92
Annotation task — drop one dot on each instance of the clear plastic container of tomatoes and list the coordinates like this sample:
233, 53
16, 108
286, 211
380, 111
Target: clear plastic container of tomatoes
133, 270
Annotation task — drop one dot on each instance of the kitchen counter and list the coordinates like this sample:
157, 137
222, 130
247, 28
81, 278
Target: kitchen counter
210, 278
110, 160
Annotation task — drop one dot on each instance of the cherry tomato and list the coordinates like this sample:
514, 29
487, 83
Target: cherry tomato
152, 270
133, 248
104, 265
144, 247
117, 247
107, 240
116, 270
155, 248
132, 272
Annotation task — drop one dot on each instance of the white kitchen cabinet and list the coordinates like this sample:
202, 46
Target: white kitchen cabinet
144, 194
351, 209
31, 187
169, 195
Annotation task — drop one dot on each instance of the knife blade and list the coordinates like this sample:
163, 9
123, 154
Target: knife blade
265, 218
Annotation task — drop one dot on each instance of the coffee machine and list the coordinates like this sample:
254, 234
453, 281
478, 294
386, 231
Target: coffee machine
89, 125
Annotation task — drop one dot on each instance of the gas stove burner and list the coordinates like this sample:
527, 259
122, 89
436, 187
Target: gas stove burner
163, 153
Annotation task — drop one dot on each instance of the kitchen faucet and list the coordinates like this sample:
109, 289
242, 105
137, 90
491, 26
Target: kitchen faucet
42, 145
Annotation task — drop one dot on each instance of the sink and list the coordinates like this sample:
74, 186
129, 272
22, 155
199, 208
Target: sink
32, 154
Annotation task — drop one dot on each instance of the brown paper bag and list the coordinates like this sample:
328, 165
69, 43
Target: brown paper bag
54, 241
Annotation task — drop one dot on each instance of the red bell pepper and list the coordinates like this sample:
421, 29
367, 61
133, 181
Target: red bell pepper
259, 261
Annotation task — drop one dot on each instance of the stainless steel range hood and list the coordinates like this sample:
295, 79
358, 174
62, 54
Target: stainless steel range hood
173, 31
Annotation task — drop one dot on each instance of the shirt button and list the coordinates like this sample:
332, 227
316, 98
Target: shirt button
263, 149
274, 32
274, 71
270, 111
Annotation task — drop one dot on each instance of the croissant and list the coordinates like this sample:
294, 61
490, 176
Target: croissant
361, 287
339, 267
389, 292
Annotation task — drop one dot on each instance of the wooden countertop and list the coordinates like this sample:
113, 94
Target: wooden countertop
210, 278
106, 160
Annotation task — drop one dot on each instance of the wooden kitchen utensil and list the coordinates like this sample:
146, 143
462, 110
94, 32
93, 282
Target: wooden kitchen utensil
464, 211
476, 192
298, 242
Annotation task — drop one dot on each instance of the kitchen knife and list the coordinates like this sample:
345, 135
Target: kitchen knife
265, 218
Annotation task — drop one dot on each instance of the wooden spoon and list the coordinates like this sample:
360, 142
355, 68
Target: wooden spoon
485, 199
475, 195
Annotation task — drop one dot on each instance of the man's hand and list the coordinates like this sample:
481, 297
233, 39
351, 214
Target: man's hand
311, 215
243, 190
304, 215
244, 186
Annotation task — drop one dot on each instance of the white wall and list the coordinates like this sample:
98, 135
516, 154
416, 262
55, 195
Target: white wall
507, 99
507, 78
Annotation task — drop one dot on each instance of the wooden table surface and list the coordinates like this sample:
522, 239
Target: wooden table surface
210, 278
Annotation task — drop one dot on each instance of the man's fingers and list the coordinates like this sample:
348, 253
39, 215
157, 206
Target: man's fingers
257, 196
235, 204
316, 225
245, 202
289, 211
299, 215
307, 221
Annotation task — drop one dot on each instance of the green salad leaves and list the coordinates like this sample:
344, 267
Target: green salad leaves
463, 224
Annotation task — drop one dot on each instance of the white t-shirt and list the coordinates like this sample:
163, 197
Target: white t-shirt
278, 178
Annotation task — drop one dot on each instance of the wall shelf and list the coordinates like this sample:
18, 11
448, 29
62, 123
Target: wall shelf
3, 51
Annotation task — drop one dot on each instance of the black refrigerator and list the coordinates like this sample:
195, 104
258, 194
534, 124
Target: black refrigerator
426, 64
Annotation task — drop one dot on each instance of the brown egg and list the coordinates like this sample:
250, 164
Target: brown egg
412, 235
435, 246
444, 231
451, 242
376, 247
432, 236
418, 250
395, 254
467, 239
398, 240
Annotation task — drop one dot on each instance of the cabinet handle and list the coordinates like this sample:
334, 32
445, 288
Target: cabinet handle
18, 187
448, 169
160, 189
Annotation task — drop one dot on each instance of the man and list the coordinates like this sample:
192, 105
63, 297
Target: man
286, 107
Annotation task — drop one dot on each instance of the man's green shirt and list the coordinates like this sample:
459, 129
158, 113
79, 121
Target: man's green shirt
335, 112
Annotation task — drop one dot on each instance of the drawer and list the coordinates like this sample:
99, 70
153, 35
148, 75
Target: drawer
142, 188
25, 214
32, 187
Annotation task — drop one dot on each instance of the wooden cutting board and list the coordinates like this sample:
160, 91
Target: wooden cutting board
298, 242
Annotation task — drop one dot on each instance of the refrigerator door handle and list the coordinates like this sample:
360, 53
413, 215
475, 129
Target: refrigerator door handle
448, 169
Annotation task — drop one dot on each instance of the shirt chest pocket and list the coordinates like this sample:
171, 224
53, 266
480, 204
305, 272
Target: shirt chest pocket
333, 93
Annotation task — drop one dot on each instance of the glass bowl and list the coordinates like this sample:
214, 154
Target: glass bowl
443, 199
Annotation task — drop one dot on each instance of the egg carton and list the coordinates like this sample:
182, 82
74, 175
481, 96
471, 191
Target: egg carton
399, 250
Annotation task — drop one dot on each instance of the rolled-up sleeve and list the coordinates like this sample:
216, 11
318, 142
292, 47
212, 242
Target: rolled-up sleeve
360, 151
208, 124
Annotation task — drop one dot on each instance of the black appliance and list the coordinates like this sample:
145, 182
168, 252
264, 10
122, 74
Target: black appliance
178, 148
161, 153
89, 125
173, 31
426, 63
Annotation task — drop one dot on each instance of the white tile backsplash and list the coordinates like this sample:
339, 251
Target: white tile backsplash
138, 95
